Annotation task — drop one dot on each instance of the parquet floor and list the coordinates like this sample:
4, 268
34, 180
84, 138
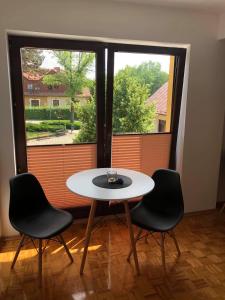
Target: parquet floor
198, 274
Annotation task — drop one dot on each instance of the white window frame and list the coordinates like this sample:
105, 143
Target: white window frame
35, 100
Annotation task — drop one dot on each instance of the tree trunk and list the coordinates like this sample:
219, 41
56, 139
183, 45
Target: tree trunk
72, 115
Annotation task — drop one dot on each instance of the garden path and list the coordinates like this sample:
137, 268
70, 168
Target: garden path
54, 140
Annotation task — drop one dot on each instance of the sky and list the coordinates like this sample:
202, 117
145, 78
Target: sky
121, 61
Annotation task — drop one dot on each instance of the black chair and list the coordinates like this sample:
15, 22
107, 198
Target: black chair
160, 210
32, 215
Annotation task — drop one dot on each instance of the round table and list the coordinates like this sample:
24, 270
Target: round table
81, 183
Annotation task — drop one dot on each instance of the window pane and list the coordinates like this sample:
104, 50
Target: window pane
59, 96
142, 97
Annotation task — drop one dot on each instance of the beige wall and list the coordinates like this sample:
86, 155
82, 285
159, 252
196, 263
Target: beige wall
202, 133
46, 101
221, 27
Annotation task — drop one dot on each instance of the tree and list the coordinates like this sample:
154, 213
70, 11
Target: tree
32, 59
75, 66
87, 115
149, 74
130, 112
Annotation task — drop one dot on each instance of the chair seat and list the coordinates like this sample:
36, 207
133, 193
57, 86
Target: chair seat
153, 220
44, 224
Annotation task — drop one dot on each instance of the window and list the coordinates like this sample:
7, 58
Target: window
57, 140
34, 102
142, 92
30, 86
162, 126
55, 102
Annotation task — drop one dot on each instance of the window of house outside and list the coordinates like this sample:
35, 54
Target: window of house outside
34, 102
55, 102
162, 126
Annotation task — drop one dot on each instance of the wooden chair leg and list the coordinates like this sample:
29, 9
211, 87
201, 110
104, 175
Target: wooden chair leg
18, 250
66, 248
40, 262
88, 234
135, 241
162, 246
175, 242
133, 247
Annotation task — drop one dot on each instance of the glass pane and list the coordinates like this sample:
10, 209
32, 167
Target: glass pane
59, 95
142, 97
60, 112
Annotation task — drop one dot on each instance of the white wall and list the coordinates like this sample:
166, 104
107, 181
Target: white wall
205, 106
221, 26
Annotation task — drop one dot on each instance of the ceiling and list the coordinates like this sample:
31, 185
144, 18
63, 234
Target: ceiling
216, 6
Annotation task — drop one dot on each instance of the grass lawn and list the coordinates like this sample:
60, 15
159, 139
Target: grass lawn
32, 135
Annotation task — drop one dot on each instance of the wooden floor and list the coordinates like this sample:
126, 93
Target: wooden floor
199, 273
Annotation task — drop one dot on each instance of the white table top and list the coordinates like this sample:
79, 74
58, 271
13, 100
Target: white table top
81, 183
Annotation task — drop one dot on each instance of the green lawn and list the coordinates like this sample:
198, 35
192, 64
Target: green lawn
32, 135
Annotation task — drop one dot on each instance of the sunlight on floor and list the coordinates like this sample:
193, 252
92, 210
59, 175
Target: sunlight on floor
81, 295
24, 254
90, 248
62, 247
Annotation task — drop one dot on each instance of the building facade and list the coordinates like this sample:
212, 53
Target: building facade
36, 93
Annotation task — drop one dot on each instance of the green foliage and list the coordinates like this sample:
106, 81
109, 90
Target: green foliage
87, 116
48, 113
148, 74
75, 66
130, 112
32, 59
33, 127
65, 123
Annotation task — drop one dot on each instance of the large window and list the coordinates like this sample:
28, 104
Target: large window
79, 123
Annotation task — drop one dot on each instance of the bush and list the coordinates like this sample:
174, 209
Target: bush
66, 123
87, 115
48, 113
31, 127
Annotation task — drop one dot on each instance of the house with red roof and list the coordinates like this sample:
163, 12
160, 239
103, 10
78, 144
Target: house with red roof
36, 93
160, 99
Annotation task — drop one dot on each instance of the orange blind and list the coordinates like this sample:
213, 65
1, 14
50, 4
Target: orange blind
52, 165
144, 153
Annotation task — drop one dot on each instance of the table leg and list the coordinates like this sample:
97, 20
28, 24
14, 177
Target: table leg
133, 246
88, 234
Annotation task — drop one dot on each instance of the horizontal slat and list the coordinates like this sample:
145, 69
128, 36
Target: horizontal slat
144, 153
52, 165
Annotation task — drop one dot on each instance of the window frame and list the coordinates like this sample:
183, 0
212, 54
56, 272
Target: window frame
17, 42
104, 97
179, 66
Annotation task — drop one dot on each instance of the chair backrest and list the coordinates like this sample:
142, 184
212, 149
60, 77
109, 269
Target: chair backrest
166, 197
26, 197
